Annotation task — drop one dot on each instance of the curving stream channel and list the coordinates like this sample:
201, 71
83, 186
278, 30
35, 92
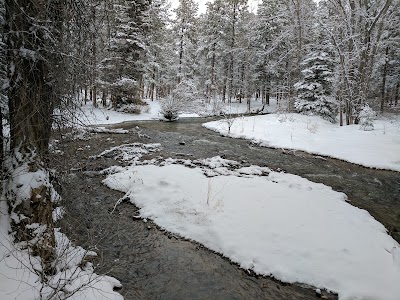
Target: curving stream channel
152, 264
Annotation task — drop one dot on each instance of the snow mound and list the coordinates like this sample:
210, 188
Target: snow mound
379, 148
277, 224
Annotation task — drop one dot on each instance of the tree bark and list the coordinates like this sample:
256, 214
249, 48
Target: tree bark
31, 101
94, 61
1, 151
384, 75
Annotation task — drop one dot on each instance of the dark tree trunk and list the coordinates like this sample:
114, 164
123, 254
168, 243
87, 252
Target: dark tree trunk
384, 75
212, 87
31, 101
153, 85
86, 88
94, 62
268, 90
1, 150
91, 92
224, 87
104, 98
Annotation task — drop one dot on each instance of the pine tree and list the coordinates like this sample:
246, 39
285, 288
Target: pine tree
266, 38
122, 70
366, 117
186, 40
160, 54
211, 46
235, 10
315, 94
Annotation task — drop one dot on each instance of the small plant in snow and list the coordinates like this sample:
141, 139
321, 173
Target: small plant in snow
312, 126
170, 108
367, 116
184, 95
229, 117
284, 117
217, 106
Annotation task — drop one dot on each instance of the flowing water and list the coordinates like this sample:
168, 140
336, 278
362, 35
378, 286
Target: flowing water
151, 263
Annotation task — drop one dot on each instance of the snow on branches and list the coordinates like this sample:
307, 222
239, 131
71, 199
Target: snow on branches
315, 95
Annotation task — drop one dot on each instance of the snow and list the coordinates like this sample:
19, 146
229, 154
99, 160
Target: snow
379, 148
92, 116
129, 152
19, 271
89, 115
277, 224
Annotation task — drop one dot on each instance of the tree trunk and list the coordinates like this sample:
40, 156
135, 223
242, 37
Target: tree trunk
231, 56
94, 95
383, 91
268, 90
225, 84
91, 92
31, 102
153, 85
1, 151
94, 61
340, 115
86, 88
212, 86
348, 113
104, 98
180, 55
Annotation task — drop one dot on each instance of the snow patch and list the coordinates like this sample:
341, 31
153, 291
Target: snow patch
278, 224
379, 148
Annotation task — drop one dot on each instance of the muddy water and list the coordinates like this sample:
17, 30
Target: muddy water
152, 264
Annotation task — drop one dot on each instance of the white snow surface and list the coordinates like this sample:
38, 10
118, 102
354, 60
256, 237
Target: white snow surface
278, 224
89, 115
93, 116
20, 271
18, 280
379, 148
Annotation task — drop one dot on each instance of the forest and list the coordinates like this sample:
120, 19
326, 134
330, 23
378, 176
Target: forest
334, 59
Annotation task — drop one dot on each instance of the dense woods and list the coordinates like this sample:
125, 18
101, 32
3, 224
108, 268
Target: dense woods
230, 54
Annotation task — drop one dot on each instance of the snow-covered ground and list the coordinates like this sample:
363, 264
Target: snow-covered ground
87, 114
91, 115
272, 223
21, 272
379, 148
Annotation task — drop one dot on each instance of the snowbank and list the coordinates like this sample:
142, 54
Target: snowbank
90, 115
379, 148
280, 224
94, 116
21, 275
20, 272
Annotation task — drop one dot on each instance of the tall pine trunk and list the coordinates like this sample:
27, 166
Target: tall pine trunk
384, 75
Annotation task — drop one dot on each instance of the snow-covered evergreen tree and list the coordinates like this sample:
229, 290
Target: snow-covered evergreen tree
211, 46
315, 95
160, 54
269, 46
366, 117
185, 30
123, 69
